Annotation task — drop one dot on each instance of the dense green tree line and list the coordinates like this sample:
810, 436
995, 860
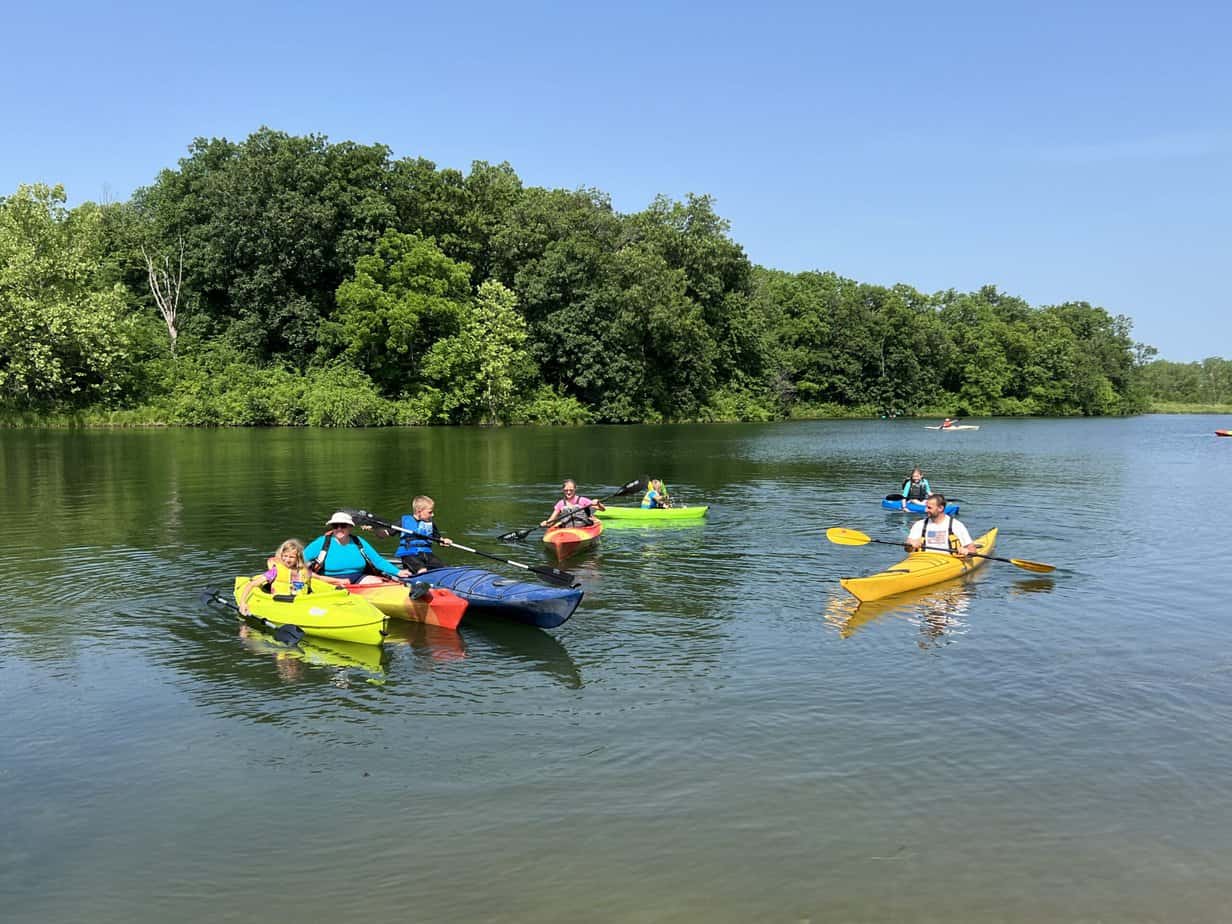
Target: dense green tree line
1206, 383
304, 282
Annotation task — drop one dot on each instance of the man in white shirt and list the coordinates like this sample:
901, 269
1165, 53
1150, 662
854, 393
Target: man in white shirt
934, 532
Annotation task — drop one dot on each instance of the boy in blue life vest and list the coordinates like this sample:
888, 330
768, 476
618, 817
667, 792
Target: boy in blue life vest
415, 549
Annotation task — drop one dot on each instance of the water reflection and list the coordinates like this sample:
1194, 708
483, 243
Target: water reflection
1036, 585
434, 644
643, 525
938, 614
531, 648
339, 657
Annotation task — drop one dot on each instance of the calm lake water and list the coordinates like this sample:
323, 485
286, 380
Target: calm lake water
717, 735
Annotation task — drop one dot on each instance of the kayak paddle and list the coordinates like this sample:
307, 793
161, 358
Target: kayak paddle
519, 534
899, 497
840, 536
286, 633
551, 575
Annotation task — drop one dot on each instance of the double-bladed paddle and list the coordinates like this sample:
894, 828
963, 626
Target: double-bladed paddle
840, 536
286, 633
902, 497
552, 575
519, 534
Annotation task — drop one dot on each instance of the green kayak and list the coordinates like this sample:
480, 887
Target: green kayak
649, 514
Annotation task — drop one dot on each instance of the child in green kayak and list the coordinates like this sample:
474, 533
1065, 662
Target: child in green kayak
656, 495
288, 573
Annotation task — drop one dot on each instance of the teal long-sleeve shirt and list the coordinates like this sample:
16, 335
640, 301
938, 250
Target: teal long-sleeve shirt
346, 561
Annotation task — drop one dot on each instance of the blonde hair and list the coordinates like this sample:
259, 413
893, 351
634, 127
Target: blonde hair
299, 552
420, 502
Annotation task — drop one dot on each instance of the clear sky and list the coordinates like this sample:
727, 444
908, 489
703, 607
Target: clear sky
1058, 150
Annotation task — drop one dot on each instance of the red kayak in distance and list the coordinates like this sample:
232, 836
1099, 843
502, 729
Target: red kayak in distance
569, 540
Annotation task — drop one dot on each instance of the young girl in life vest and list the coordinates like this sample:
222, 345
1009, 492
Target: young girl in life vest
656, 495
287, 574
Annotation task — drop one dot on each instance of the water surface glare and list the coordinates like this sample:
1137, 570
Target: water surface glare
719, 733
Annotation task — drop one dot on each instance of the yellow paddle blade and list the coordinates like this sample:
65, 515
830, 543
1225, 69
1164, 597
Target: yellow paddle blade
1037, 566
840, 536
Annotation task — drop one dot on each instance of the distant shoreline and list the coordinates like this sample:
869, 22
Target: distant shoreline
141, 419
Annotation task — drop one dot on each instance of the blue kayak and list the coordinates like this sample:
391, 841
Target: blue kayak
494, 595
915, 507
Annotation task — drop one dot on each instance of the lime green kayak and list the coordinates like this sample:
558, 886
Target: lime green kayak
326, 612
652, 513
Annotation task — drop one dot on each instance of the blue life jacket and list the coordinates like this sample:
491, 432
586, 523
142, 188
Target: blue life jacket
413, 545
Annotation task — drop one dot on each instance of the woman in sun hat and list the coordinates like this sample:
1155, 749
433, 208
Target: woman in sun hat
340, 557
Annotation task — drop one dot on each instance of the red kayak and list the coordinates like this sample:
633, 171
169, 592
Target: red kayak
569, 540
1223, 432
438, 607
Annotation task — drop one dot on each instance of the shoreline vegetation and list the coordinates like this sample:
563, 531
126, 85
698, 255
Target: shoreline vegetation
289, 281
147, 418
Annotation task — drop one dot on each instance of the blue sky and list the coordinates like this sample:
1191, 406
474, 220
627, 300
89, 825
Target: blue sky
1060, 151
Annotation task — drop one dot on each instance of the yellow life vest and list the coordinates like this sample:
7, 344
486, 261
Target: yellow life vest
283, 577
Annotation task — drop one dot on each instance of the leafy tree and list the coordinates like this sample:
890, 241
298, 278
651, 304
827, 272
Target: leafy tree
270, 226
480, 370
66, 337
692, 237
402, 299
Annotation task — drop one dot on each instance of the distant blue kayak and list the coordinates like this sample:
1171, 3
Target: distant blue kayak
915, 507
494, 595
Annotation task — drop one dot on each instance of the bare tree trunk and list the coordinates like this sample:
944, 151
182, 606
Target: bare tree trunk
166, 289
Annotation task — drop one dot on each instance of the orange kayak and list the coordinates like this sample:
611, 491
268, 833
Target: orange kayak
569, 540
438, 607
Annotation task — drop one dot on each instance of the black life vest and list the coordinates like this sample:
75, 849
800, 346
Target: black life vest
318, 563
953, 542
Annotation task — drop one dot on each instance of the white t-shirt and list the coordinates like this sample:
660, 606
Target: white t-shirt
938, 537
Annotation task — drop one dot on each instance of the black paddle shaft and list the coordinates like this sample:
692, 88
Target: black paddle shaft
553, 575
287, 633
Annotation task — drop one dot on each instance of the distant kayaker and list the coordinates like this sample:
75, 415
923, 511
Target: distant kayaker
946, 424
287, 574
656, 495
341, 558
416, 550
572, 509
939, 532
915, 488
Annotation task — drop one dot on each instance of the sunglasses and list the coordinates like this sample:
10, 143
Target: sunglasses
339, 525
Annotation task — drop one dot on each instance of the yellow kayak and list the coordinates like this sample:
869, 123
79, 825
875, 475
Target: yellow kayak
326, 612
918, 569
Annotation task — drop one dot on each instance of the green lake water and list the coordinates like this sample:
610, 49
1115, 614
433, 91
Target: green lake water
718, 734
